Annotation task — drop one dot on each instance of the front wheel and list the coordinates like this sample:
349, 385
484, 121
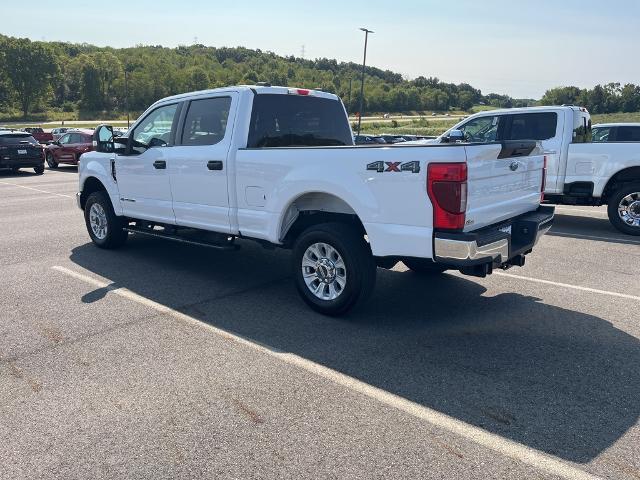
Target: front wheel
105, 228
333, 268
624, 209
51, 161
39, 170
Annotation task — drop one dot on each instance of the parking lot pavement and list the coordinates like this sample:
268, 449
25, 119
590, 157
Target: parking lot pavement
163, 360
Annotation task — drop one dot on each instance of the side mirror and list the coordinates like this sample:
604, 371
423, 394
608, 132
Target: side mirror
103, 139
455, 136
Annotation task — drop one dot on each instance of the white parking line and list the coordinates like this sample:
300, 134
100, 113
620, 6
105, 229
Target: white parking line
35, 189
509, 448
571, 210
566, 285
595, 237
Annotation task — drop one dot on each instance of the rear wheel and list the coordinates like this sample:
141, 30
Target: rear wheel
624, 209
333, 268
104, 226
39, 170
424, 266
51, 161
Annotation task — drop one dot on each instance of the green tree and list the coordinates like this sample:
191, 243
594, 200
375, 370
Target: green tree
30, 67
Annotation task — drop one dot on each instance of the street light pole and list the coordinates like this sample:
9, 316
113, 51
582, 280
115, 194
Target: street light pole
364, 62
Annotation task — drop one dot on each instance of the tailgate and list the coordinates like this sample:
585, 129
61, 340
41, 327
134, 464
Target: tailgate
504, 181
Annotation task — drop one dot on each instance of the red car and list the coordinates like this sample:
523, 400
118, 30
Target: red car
69, 147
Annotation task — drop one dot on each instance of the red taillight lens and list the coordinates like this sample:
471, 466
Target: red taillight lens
544, 179
447, 188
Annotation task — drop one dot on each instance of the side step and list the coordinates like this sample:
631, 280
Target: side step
230, 245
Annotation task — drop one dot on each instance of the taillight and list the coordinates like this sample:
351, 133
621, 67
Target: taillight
544, 179
299, 91
447, 188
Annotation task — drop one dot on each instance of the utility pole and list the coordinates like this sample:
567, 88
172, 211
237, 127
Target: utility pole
126, 93
364, 62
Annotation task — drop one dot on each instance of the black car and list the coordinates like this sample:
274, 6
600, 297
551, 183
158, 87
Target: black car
20, 150
368, 140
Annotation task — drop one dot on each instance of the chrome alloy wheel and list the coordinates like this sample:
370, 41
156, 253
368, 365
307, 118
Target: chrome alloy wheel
98, 221
324, 271
629, 209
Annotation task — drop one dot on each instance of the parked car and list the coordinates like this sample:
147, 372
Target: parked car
68, 148
58, 132
268, 163
579, 171
20, 150
392, 138
39, 134
616, 132
368, 140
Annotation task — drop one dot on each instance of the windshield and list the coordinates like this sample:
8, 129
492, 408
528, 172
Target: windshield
297, 121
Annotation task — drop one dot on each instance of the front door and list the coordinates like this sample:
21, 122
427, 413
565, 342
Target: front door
142, 171
198, 164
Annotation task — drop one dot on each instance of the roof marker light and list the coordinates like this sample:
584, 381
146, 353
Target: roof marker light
299, 91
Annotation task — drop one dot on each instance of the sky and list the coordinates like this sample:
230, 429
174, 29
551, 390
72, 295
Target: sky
520, 48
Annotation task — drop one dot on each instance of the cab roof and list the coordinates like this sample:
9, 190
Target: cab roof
257, 89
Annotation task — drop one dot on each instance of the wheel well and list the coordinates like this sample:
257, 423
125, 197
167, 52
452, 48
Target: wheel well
91, 184
627, 175
312, 209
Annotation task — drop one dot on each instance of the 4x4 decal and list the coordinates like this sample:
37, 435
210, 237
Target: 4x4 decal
381, 167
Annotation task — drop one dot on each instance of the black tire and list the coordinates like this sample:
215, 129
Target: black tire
114, 236
424, 266
39, 170
360, 266
614, 202
51, 161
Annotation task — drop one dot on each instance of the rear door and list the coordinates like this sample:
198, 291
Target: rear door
543, 127
198, 166
504, 181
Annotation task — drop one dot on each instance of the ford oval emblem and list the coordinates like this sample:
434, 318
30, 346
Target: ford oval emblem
514, 166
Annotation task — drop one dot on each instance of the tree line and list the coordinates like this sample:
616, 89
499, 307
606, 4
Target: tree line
40, 77
609, 98
43, 76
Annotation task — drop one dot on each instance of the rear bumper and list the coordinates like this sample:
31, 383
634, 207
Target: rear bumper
21, 162
503, 244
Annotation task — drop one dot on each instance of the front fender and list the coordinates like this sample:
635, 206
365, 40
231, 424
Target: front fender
98, 165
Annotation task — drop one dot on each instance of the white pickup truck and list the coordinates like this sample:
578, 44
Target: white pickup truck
278, 165
579, 171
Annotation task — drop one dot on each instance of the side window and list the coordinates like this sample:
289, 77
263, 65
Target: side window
76, 138
601, 134
206, 121
581, 128
628, 134
533, 126
64, 139
155, 129
483, 129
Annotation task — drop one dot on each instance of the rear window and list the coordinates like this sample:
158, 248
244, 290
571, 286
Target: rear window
533, 126
16, 138
297, 121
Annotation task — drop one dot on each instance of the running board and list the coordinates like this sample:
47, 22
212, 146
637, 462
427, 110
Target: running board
154, 233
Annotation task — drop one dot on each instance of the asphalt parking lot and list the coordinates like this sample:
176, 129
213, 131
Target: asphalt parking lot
164, 360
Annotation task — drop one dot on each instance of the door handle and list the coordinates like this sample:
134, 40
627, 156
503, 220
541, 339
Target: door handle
214, 165
160, 164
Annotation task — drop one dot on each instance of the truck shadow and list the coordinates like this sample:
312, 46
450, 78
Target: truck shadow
560, 381
582, 228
